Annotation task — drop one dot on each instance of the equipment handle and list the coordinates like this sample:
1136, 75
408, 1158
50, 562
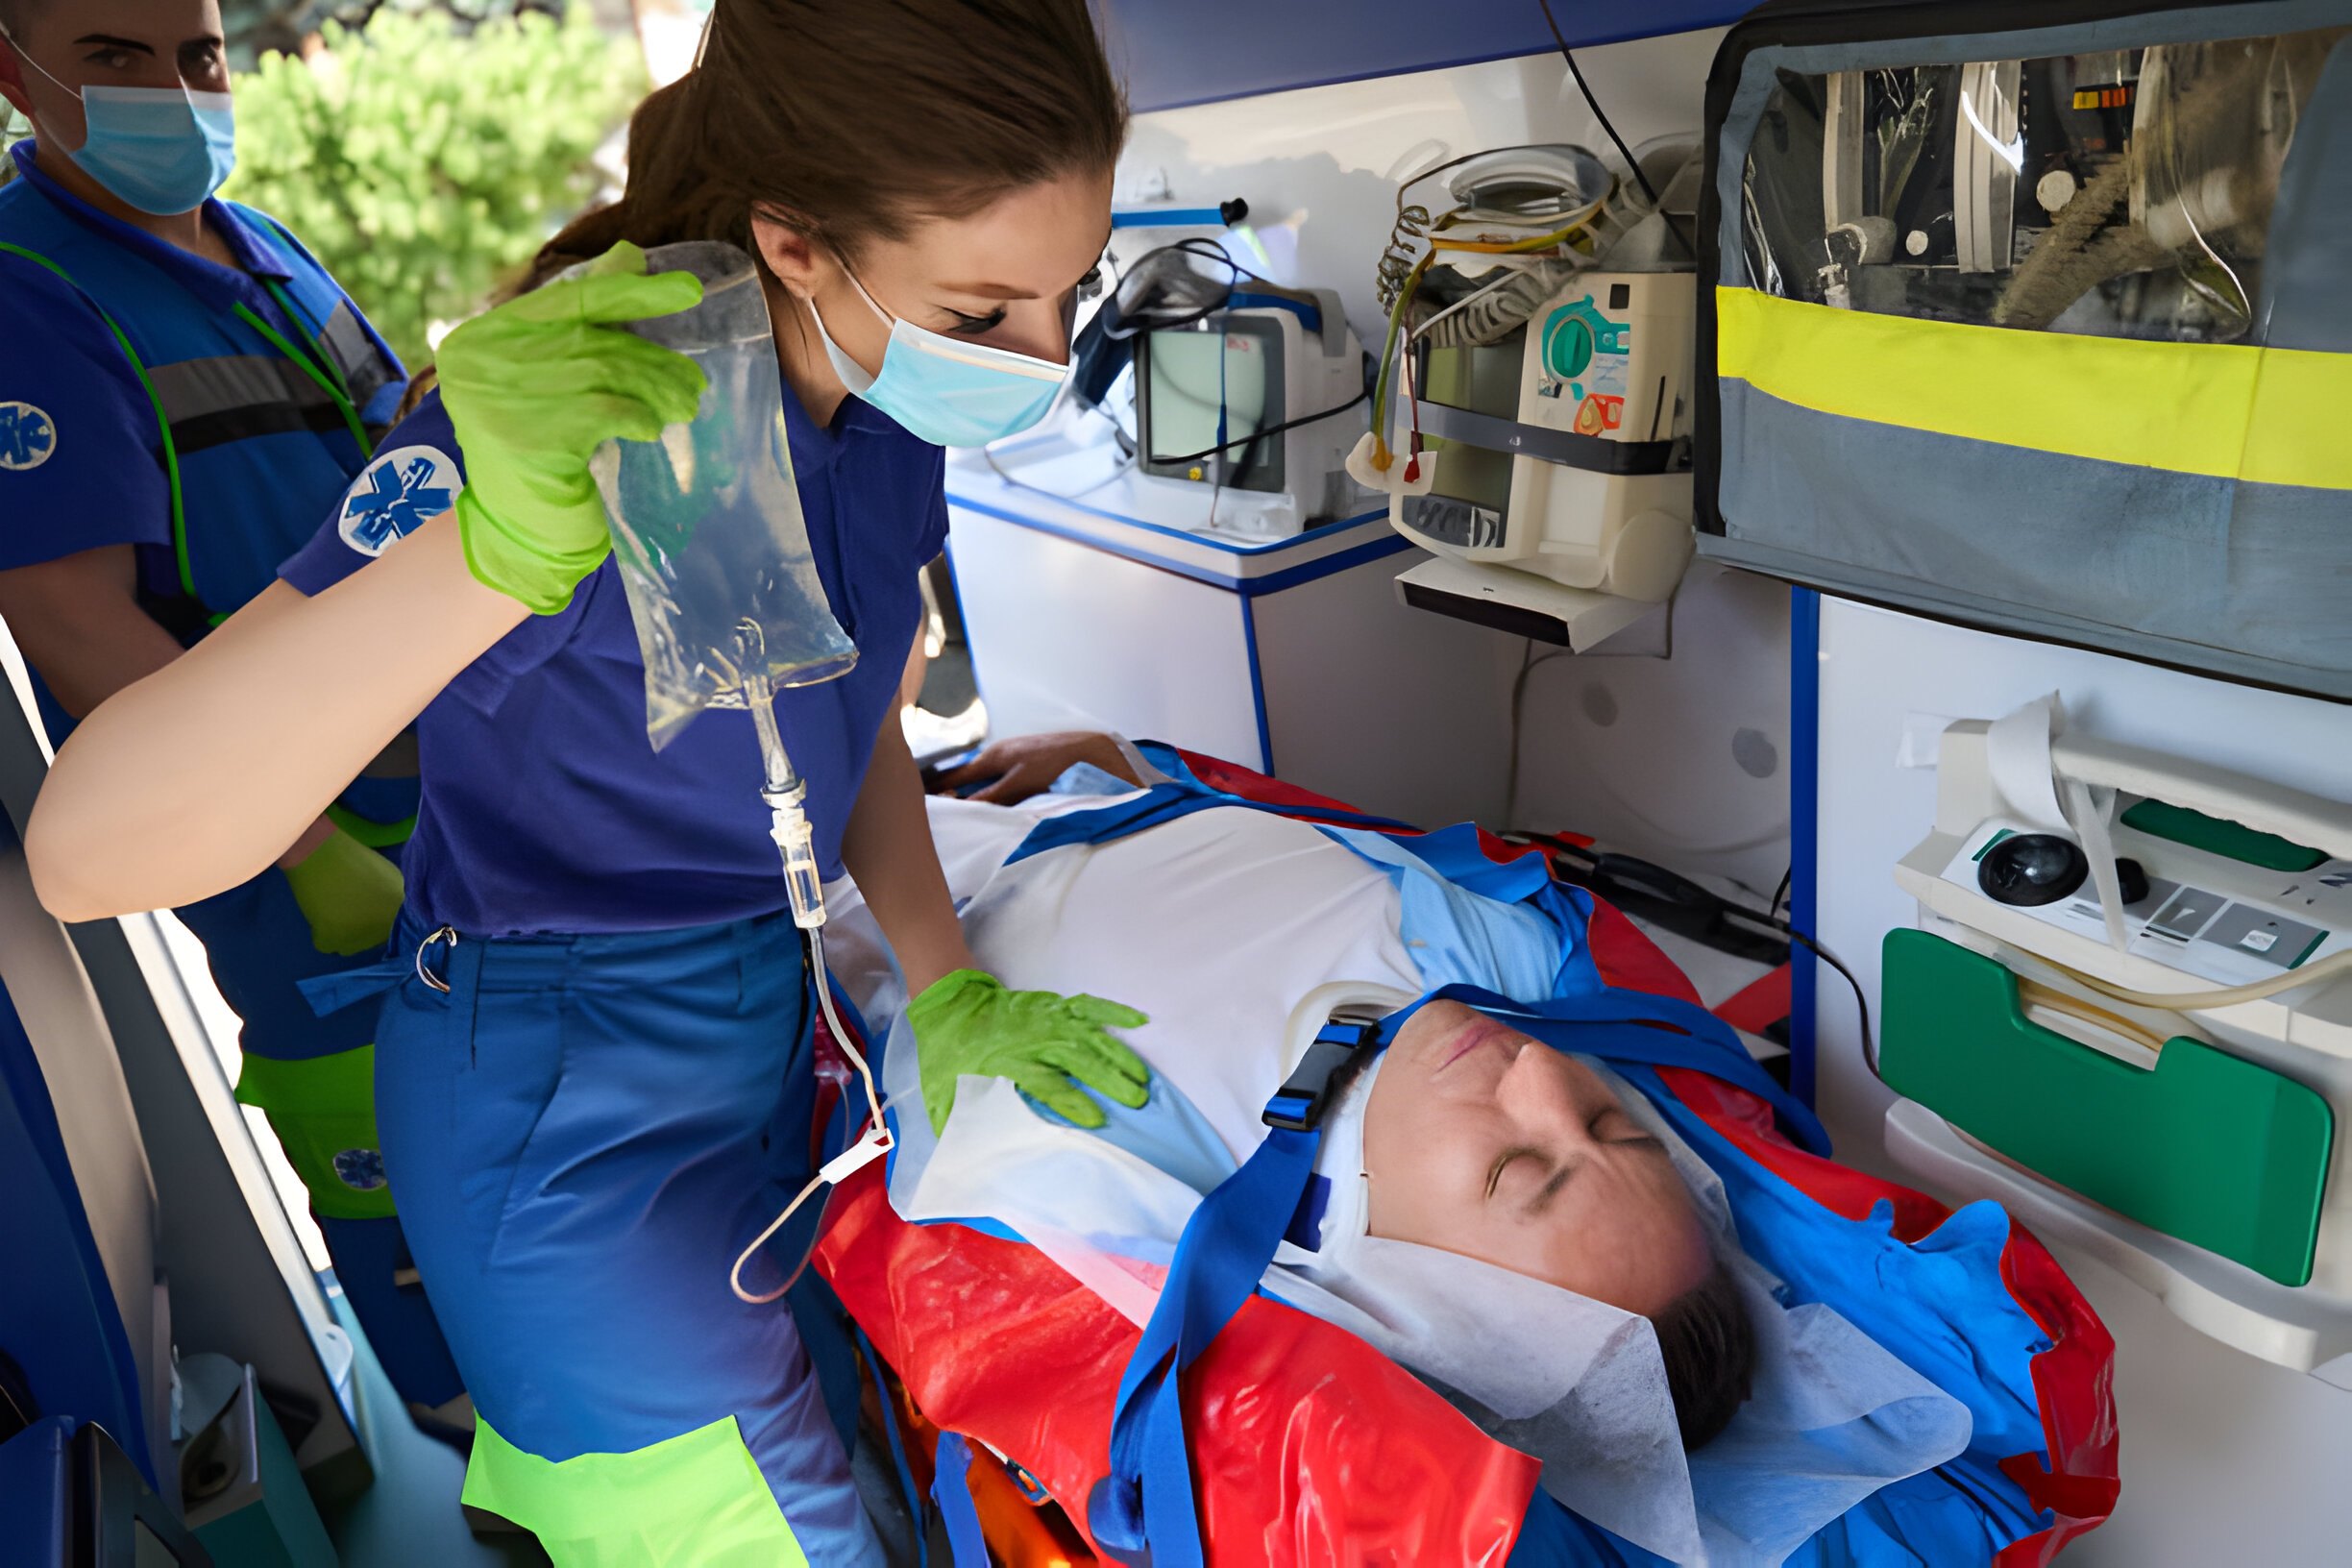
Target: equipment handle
2310, 819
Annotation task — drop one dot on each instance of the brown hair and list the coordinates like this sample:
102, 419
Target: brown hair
1708, 1343
846, 118
14, 15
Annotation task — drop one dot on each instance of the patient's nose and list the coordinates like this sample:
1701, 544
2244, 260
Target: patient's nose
1535, 1093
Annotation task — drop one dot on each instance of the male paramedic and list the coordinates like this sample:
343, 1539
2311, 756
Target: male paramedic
184, 390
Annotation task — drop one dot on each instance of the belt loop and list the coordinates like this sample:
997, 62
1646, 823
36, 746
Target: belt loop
448, 934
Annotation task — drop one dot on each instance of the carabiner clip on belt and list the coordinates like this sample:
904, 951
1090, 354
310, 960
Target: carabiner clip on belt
447, 935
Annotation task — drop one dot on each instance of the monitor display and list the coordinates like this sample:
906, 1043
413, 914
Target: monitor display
1470, 499
1190, 380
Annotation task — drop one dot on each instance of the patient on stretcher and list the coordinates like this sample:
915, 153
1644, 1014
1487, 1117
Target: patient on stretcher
1481, 1141
1519, 1226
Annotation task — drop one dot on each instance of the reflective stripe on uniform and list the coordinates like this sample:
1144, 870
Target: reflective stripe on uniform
2227, 410
259, 419
232, 397
355, 355
196, 387
695, 1501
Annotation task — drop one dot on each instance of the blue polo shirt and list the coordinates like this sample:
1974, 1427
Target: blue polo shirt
546, 808
261, 446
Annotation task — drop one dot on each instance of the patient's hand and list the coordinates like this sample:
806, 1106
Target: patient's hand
1021, 766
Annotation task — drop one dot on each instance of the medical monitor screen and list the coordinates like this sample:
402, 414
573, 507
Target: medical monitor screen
1199, 386
1469, 501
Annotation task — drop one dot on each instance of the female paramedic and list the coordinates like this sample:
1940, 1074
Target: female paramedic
183, 390
594, 1082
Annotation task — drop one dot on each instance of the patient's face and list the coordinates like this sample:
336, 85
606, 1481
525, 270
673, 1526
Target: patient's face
1482, 1141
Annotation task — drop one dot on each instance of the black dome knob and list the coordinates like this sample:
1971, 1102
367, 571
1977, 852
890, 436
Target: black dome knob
2031, 869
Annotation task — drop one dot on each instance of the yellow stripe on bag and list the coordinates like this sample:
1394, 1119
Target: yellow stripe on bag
2223, 409
2298, 434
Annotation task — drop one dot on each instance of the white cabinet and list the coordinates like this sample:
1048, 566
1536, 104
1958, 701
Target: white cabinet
1291, 655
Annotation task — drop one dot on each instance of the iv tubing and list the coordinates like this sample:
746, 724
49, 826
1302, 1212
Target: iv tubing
781, 788
873, 1139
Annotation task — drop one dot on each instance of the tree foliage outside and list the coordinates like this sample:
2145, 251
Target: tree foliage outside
260, 27
424, 160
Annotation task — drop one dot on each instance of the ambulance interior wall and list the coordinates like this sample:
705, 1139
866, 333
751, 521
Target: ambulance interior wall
1682, 759
1686, 759
2225, 1457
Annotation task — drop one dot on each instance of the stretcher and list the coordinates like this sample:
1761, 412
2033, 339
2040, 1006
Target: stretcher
1306, 1446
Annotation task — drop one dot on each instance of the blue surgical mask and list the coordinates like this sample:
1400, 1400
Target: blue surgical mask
162, 149
947, 392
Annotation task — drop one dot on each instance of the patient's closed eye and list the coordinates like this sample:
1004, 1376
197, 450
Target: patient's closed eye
1614, 1126
1534, 1178
1526, 1164
1506, 1160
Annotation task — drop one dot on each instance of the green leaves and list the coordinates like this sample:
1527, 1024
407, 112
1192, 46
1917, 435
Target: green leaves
260, 27
425, 163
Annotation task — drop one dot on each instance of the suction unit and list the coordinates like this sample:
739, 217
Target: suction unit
2164, 1089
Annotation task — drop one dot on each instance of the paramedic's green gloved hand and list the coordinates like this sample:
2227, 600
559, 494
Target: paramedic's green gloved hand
350, 895
532, 389
967, 1023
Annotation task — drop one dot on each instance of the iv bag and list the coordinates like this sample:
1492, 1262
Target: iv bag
706, 520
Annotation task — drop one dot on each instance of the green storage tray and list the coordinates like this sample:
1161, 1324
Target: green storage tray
2215, 835
2219, 1151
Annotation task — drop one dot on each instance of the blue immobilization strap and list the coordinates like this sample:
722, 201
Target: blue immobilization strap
1225, 1247
898, 1448
951, 1488
1164, 803
1144, 1510
1305, 1094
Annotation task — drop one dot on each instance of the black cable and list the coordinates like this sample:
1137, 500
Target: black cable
1781, 892
1118, 432
1127, 461
1583, 857
1271, 430
1869, 1047
1527, 661
1594, 103
1605, 869
1202, 249
1209, 250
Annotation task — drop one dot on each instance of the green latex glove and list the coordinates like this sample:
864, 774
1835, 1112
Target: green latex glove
350, 895
967, 1023
532, 389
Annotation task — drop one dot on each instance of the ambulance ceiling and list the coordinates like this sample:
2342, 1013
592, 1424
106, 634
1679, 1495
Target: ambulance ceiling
1176, 52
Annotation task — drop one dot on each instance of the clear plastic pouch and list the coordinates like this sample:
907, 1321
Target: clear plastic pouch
2120, 193
707, 522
